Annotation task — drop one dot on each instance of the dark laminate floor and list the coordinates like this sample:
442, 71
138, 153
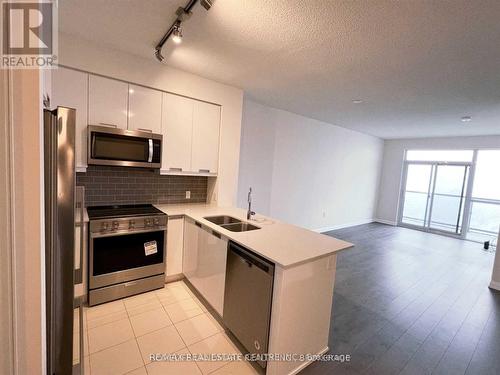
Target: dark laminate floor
412, 303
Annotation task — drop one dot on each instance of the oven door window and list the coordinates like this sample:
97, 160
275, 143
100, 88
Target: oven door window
124, 252
119, 147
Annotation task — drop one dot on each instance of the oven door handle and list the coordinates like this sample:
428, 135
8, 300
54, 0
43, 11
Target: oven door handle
150, 158
125, 232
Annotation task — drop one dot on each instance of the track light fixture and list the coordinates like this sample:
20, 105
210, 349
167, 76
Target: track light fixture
176, 29
177, 34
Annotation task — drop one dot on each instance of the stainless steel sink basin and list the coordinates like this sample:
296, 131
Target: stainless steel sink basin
239, 227
231, 223
223, 219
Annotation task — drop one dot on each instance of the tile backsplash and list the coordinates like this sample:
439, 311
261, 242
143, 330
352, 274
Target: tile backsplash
119, 185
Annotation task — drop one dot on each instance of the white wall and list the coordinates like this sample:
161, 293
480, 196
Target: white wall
81, 54
22, 237
495, 276
257, 156
307, 172
392, 169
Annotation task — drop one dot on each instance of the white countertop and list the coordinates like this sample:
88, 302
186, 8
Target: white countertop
283, 244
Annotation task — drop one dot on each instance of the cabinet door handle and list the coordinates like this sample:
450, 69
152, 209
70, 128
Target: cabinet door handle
204, 170
175, 169
145, 130
110, 125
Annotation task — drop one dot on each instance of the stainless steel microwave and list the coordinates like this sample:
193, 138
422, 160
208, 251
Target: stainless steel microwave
126, 148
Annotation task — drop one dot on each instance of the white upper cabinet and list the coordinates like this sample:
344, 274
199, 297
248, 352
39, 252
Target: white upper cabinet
191, 135
177, 128
70, 89
108, 102
205, 148
190, 128
144, 109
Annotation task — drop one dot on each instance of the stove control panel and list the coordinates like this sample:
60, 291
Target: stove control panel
124, 225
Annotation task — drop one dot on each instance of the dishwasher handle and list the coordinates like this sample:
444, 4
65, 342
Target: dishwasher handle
252, 259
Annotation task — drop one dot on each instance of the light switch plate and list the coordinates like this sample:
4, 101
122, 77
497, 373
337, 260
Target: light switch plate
188, 194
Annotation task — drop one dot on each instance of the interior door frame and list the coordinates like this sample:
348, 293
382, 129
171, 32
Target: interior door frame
430, 196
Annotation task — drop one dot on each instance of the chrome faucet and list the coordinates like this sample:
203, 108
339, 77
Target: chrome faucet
250, 212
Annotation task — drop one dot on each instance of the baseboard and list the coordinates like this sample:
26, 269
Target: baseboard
495, 285
341, 226
383, 221
305, 364
172, 278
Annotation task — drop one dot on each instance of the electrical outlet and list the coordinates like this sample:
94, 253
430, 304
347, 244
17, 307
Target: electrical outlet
188, 194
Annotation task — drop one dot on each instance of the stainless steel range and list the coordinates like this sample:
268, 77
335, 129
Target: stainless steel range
126, 251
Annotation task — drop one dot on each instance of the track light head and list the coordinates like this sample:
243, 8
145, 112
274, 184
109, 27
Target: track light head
177, 34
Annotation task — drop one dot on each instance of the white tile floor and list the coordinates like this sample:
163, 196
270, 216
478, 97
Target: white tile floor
121, 335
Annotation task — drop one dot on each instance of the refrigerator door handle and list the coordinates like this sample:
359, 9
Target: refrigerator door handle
50, 125
80, 192
78, 367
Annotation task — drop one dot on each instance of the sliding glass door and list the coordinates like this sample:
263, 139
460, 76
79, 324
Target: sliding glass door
454, 192
434, 196
448, 198
484, 220
417, 194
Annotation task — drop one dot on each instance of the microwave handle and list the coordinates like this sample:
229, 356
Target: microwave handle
92, 145
150, 158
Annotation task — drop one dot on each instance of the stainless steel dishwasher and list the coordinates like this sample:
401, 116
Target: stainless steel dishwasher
247, 298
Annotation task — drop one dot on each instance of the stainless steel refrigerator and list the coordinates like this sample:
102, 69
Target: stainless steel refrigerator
59, 162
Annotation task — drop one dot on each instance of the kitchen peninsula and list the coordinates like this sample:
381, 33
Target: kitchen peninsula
304, 274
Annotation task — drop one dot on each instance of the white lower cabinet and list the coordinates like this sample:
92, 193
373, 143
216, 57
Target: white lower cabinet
175, 239
213, 254
205, 262
190, 260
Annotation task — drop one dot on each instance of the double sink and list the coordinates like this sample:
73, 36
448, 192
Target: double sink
231, 223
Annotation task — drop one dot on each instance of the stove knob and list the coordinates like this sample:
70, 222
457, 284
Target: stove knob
116, 224
104, 226
147, 222
156, 222
131, 224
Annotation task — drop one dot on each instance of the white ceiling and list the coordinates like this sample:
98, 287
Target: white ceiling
418, 65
